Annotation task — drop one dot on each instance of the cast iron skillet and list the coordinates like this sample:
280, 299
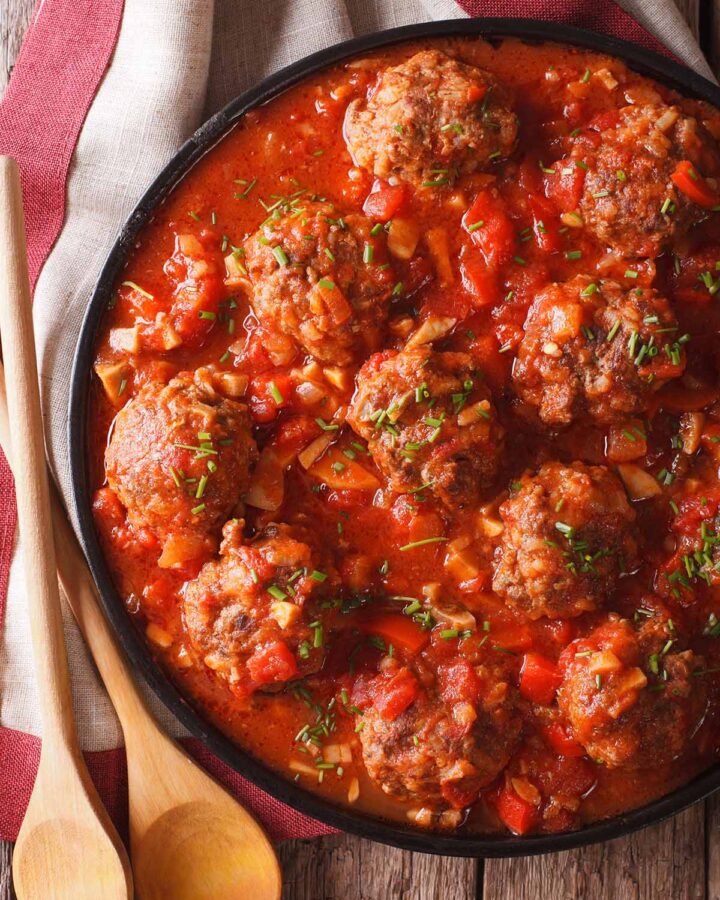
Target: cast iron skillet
642, 61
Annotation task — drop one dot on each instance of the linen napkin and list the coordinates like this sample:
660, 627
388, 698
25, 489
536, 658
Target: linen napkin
103, 94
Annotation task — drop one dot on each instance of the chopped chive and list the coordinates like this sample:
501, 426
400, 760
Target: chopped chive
136, 287
613, 331
281, 256
368, 253
275, 393
277, 592
430, 540
630, 274
573, 254
326, 284
586, 77
206, 314
326, 426
197, 509
476, 225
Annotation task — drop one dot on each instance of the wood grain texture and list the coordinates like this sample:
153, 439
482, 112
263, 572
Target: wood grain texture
668, 860
14, 19
347, 868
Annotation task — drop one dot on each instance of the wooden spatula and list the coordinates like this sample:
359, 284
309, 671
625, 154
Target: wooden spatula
189, 839
67, 847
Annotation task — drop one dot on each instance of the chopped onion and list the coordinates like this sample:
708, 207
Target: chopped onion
639, 484
433, 328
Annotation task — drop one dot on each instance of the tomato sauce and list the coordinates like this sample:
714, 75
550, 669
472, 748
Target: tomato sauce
415, 579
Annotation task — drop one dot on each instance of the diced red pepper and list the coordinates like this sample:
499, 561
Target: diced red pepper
687, 179
539, 679
272, 664
519, 815
384, 200
392, 696
491, 228
396, 629
480, 280
565, 185
562, 741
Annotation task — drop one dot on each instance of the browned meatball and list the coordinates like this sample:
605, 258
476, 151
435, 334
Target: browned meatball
439, 750
627, 708
321, 282
430, 119
428, 420
179, 460
629, 199
567, 538
254, 614
594, 349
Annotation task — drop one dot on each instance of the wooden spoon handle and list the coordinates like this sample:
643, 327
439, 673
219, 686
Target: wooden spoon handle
28, 448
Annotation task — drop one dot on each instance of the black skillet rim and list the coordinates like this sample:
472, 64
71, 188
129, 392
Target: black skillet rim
643, 61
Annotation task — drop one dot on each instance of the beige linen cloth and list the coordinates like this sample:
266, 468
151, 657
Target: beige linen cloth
176, 62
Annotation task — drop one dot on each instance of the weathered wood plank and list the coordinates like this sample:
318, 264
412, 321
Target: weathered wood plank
14, 18
6, 891
344, 867
666, 860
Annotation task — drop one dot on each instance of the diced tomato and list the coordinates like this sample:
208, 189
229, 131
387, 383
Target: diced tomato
272, 664
396, 629
144, 304
519, 815
384, 201
458, 796
393, 695
476, 92
107, 508
267, 395
161, 594
559, 631
678, 398
710, 439
562, 742
296, 432
509, 635
565, 185
687, 179
458, 682
539, 679
491, 228
479, 279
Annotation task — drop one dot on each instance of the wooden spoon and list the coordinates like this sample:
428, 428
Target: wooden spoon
189, 839
67, 846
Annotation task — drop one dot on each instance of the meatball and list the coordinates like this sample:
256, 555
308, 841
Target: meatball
625, 708
254, 614
321, 282
566, 539
438, 751
430, 119
428, 420
628, 197
594, 349
179, 461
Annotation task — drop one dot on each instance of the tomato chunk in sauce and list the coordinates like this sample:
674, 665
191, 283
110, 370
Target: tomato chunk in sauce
405, 435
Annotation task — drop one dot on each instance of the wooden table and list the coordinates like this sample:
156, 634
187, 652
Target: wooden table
678, 859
